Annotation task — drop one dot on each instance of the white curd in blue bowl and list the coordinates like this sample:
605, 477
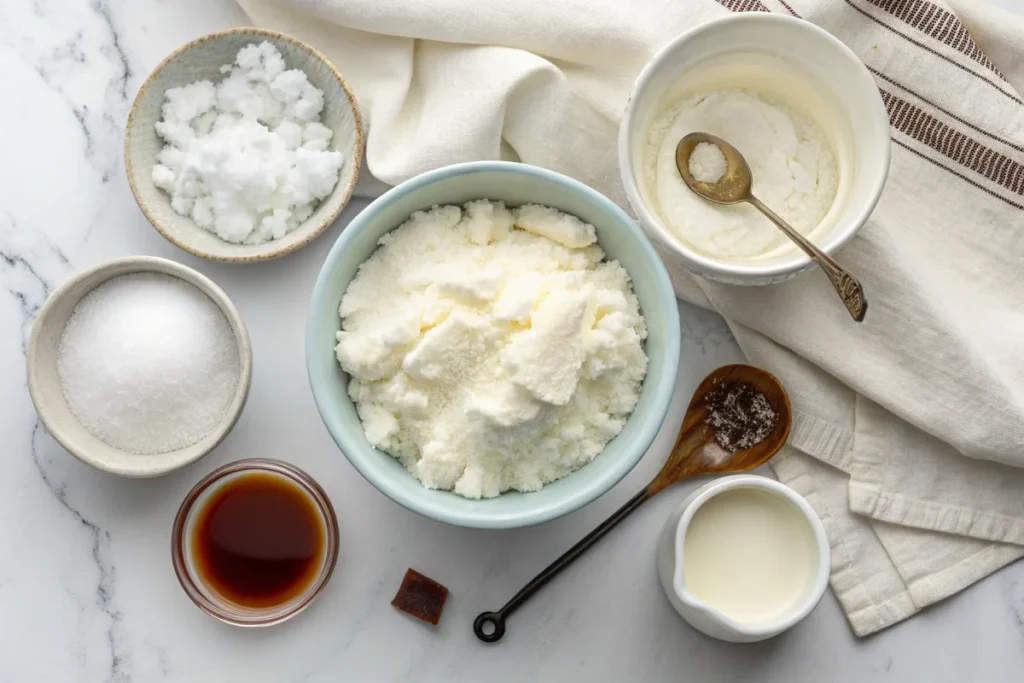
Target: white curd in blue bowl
514, 184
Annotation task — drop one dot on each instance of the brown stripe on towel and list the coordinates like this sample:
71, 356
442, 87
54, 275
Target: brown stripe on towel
951, 37
928, 130
955, 117
983, 78
789, 9
954, 145
939, 24
744, 5
959, 175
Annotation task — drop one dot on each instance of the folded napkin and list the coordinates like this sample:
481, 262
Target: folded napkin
908, 436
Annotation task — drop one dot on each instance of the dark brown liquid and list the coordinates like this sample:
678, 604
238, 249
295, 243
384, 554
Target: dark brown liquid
259, 540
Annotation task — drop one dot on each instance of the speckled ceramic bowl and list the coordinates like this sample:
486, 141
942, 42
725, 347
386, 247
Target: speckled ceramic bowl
515, 184
202, 59
44, 382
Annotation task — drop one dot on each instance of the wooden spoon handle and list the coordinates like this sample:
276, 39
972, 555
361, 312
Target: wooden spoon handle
496, 620
846, 285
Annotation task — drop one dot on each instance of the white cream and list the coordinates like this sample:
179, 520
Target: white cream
793, 166
749, 554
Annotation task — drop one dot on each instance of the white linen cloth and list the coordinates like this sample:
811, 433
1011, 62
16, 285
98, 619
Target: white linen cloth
909, 429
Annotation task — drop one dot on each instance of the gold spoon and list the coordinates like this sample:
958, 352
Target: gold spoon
734, 187
696, 452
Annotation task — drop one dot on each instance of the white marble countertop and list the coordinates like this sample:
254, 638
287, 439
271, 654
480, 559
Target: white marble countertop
87, 591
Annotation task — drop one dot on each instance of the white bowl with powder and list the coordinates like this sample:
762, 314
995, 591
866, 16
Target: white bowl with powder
202, 60
130, 339
797, 103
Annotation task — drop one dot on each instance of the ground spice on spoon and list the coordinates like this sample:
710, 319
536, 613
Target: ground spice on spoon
740, 415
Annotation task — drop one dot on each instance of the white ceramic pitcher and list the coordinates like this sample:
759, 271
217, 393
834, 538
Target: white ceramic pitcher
702, 616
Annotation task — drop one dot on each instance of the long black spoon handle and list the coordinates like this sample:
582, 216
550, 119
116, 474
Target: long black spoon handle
496, 620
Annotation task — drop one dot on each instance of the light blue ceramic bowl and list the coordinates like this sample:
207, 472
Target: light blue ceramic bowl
515, 184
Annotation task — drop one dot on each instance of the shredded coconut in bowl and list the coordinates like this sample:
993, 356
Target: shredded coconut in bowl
492, 349
248, 158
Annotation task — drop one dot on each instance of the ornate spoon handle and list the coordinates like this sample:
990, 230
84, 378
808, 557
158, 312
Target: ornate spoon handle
847, 286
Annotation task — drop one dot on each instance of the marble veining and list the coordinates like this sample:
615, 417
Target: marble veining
29, 269
31, 264
81, 46
86, 586
100, 555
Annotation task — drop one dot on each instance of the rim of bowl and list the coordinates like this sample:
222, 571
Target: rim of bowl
352, 449
776, 488
325, 222
271, 615
739, 272
142, 264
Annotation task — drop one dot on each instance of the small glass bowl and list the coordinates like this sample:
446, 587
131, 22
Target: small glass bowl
203, 595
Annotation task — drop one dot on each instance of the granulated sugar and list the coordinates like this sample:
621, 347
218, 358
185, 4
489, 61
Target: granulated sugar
740, 415
148, 363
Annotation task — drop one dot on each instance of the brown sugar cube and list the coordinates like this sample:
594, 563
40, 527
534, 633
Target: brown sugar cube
420, 596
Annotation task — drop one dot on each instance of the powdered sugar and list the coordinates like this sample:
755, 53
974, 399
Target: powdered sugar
793, 166
707, 164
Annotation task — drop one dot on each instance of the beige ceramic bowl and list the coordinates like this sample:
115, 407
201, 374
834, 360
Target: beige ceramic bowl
202, 59
44, 384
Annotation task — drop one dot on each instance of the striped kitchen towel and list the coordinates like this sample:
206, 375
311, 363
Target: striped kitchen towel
909, 431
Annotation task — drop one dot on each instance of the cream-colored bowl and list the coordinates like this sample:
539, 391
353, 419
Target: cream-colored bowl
789, 60
44, 383
202, 59
707, 618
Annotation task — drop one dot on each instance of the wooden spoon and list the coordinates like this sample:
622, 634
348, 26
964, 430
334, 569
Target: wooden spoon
695, 452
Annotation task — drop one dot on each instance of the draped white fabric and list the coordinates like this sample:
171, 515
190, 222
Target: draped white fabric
909, 432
